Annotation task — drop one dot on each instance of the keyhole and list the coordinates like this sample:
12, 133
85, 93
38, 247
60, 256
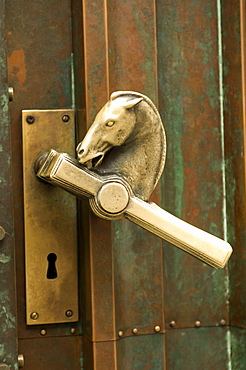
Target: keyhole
51, 271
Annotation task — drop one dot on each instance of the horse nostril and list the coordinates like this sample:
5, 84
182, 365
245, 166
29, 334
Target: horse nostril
81, 152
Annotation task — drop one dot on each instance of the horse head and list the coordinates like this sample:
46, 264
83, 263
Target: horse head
127, 138
112, 126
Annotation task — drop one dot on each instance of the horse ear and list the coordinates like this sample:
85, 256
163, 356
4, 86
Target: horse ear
131, 103
115, 94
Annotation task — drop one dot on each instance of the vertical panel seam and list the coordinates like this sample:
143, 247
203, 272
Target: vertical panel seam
228, 342
221, 99
92, 288
85, 57
112, 242
156, 53
163, 322
222, 126
72, 81
157, 104
106, 43
243, 71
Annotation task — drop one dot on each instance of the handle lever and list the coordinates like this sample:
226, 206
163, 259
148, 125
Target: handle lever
208, 248
111, 197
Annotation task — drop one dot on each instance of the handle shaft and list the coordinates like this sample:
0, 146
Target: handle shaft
208, 248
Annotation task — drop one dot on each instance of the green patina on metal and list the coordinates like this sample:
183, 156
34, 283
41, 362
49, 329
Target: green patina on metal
6, 317
137, 276
8, 336
235, 180
201, 347
145, 25
212, 88
172, 75
4, 258
192, 186
66, 80
141, 352
238, 348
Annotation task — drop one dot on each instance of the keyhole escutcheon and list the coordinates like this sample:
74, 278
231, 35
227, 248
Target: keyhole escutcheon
51, 271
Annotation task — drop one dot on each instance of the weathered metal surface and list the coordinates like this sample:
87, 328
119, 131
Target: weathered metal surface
100, 355
141, 352
95, 32
124, 57
108, 78
52, 353
205, 348
235, 120
238, 349
36, 86
104, 356
39, 64
235, 159
132, 53
193, 178
8, 333
138, 280
125, 287
50, 218
91, 69
137, 253
101, 77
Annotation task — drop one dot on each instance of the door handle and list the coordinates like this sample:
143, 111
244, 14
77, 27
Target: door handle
126, 149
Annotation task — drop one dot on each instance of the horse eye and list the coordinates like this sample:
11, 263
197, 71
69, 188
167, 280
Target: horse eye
110, 123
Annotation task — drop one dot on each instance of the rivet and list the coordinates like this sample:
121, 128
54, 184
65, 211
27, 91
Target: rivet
2, 233
30, 119
21, 361
34, 315
65, 118
135, 331
120, 333
43, 332
198, 324
11, 93
172, 323
69, 313
72, 330
222, 322
157, 328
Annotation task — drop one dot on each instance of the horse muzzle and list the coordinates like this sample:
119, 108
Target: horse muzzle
89, 157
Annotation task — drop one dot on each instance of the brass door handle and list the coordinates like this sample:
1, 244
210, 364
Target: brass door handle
111, 198
126, 148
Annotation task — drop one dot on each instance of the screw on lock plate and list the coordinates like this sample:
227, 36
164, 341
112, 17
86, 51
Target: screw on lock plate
127, 139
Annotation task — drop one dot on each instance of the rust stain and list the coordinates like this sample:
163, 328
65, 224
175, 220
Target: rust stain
17, 67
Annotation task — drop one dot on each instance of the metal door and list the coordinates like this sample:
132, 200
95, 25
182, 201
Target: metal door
143, 303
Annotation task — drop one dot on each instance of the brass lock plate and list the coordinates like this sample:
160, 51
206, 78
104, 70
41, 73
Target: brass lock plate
50, 217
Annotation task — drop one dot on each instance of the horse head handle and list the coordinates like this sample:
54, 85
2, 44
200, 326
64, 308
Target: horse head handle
126, 138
